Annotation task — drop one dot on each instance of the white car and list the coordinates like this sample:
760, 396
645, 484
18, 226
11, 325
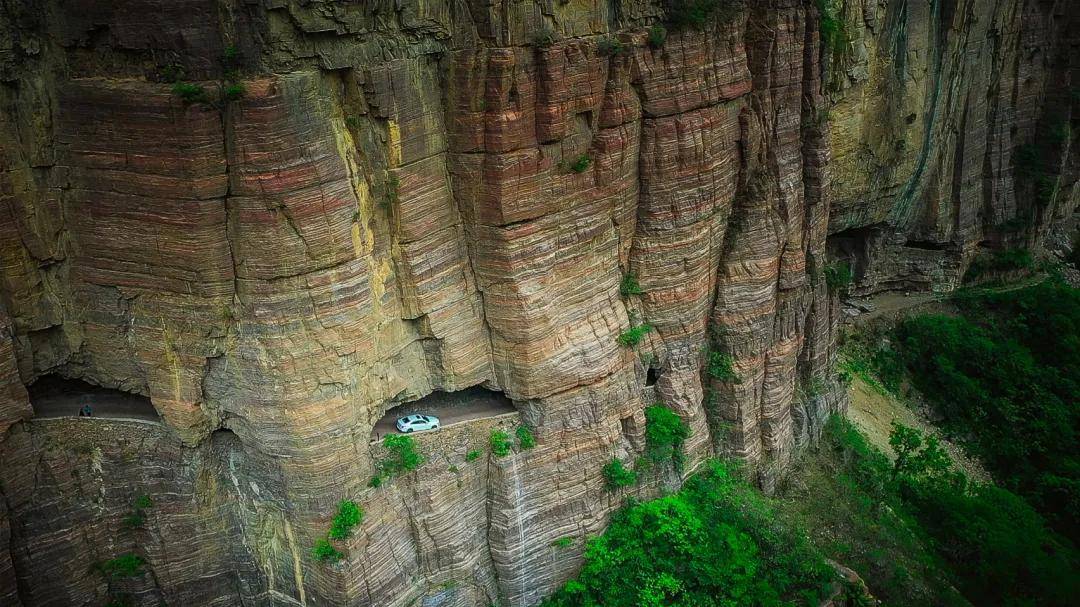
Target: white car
417, 423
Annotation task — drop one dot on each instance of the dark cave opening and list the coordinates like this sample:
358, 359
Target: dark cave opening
853, 246
450, 407
53, 395
651, 376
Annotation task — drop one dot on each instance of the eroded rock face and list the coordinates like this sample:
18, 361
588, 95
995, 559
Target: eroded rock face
419, 198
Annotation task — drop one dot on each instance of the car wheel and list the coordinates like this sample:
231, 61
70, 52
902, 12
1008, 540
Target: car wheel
408, 431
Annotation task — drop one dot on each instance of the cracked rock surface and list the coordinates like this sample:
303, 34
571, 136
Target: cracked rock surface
429, 195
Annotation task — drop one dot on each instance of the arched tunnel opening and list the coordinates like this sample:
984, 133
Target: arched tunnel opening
54, 395
449, 407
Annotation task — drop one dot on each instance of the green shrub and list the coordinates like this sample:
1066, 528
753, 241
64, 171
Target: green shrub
581, 164
563, 542
629, 286
500, 443
393, 185
918, 530
633, 336
1005, 377
715, 542
472, 455
234, 91
143, 502
998, 545
348, 516
664, 435
545, 37
720, 369
375, 482
834, 34
404, 456
839, 276
1027, 160
609, 47
190, 93
657, 36
696, 13
1005, 260
324, 551
525, 437
616, 475
125, 565
134, 520
1046, 187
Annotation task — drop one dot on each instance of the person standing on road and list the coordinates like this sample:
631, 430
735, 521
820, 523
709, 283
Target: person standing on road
86, 411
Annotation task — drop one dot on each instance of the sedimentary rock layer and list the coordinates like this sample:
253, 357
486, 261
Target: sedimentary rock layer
371, 202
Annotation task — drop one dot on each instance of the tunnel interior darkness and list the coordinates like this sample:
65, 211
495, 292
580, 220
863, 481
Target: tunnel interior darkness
53, 395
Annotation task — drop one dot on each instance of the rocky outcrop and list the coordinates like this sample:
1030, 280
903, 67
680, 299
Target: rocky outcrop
370, 202
951, 130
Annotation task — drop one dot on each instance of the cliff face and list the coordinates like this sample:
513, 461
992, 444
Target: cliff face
421, 197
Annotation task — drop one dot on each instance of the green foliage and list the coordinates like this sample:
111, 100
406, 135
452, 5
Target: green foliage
525, 437
324, 551
839, 276
234, 91
581, 164
348, 516
633, 336
657, 36
375, 482
125, 565
609, 46
629, 286
500, 443
696, 13
714, 543
353, 122
404, 456
834, 34
999, 546
844, 491
1004, 260
544, 38
138, 514
393, 185
472, 455
1006, 379
719, 367
665, 433
616, 475
563, 542
1061, 133
190, 93
134, 520
1046, 188
1027, 160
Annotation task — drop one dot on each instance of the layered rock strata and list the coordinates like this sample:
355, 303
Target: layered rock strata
373, 201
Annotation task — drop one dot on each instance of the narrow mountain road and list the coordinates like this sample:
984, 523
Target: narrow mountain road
450, 407
55, 397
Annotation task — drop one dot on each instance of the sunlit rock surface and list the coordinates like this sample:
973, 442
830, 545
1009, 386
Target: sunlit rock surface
412, 197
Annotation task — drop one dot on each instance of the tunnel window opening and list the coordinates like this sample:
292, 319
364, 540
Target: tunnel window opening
651, 375
53, 395
853, 246
448, 407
